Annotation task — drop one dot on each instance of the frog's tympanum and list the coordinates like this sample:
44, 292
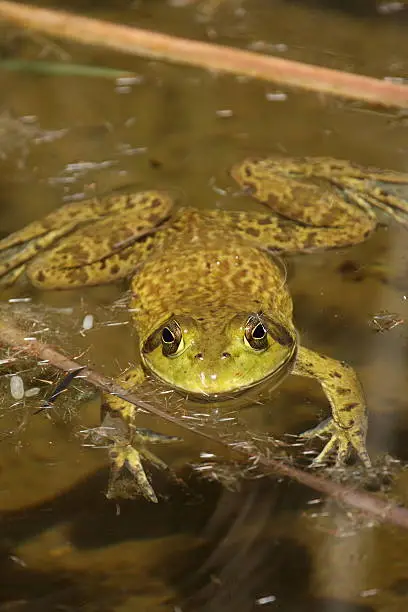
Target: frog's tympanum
209, 300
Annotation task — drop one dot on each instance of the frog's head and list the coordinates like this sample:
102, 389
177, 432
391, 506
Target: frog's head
219, 356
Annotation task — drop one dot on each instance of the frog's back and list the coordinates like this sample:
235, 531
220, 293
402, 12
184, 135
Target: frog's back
202, 263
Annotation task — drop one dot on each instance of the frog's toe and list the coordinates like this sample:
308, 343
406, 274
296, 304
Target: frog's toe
341, 442
9, 278
324, 428
126, 458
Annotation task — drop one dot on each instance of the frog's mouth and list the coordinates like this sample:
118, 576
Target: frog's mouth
272, 380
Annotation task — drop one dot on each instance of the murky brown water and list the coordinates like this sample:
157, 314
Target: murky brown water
63, 545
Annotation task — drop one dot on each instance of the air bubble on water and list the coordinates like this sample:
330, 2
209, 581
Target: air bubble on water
32, 392
88, 322
16, 387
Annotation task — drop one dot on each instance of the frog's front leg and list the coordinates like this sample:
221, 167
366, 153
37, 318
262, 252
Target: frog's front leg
347, 426
129, 441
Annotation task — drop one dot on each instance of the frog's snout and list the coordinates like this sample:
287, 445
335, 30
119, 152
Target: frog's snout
213, 370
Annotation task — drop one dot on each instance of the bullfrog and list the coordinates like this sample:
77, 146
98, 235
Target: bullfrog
209, 301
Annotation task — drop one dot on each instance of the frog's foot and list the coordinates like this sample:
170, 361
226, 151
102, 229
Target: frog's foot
126, 460
341, 441
127, 457
383, 189
381, 197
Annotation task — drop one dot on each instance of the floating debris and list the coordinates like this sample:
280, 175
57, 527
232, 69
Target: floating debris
65, 311
385, 321
16, 135
205, 455
116, 323
386, 8
224, 113
369, 593
276, 96
265, 47
18, 300
135, 79
123, 89
83, 167
17, 560
265, 600
17, 387
7, 361
396, 79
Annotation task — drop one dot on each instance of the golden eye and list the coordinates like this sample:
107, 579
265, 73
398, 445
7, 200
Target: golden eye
172, 339
256, 334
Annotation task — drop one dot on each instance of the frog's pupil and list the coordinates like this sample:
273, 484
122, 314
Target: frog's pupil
259, 332
167, 335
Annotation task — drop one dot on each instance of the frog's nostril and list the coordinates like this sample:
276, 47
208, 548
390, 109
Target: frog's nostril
225, 355
199, 356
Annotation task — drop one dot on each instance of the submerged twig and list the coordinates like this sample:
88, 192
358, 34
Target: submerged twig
387, 511
218, 58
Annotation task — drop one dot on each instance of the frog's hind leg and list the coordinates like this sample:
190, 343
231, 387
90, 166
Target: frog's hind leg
75, 262
15, 251
89, 243
308, 215
378, 188
378, 197
23, 245
277, 234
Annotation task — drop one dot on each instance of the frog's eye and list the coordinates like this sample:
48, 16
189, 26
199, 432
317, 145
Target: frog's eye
256, 334
172, 339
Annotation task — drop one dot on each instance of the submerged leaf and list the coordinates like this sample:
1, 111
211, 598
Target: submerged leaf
63, 69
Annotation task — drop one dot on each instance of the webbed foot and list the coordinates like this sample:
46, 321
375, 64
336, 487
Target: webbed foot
127, 453
125, 457
342, 441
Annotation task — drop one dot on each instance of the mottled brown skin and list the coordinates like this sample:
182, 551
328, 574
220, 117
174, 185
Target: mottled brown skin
209, 300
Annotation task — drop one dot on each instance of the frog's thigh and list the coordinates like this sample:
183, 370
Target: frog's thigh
78, 235
278, 234
44, 274
343, 390
67, 267
311, 215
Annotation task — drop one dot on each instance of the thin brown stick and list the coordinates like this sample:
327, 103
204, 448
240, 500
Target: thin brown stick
218, 58
386, 511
